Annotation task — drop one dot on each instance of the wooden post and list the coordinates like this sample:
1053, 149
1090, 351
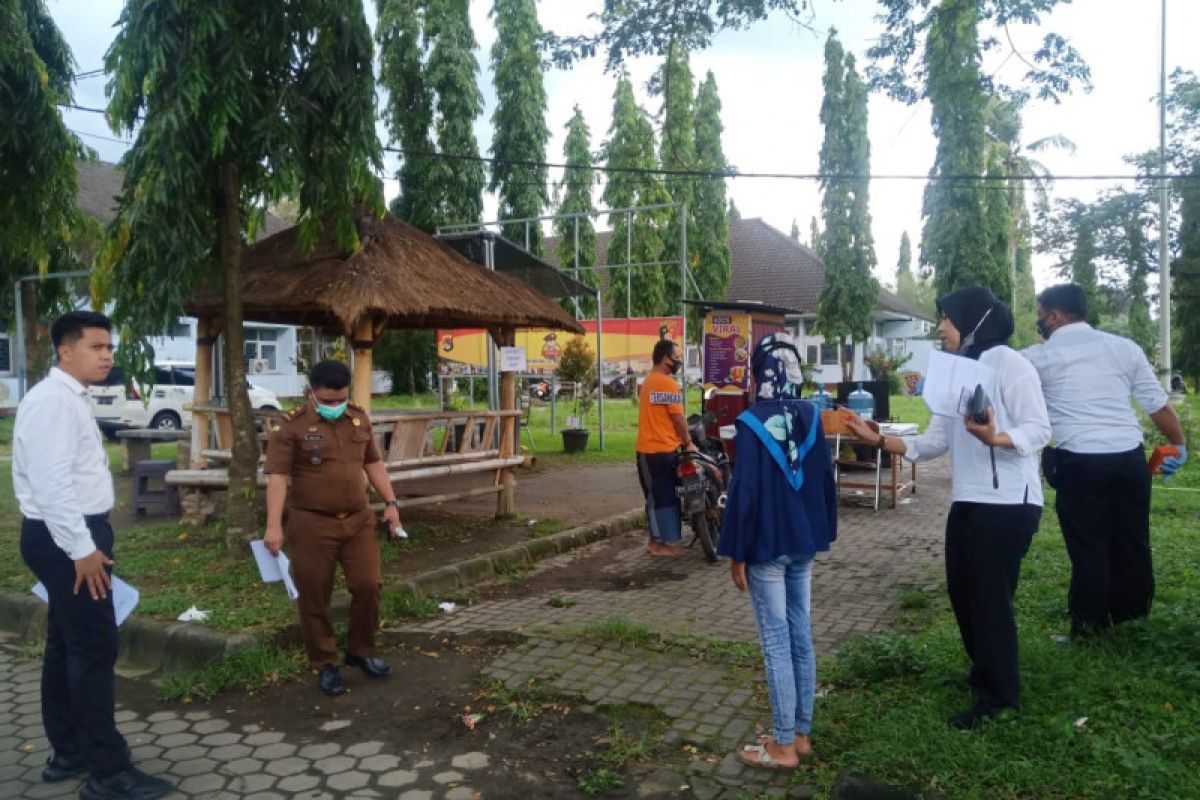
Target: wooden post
362, 342
206, 334
506, 504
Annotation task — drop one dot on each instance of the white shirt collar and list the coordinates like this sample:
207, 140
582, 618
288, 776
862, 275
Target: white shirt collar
67, 380
1071, 327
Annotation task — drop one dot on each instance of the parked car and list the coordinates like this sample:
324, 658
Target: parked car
168, 405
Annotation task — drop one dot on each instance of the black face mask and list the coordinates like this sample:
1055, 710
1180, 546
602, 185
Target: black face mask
674, 366
1043, 330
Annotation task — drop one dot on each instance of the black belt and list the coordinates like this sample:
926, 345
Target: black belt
334, 514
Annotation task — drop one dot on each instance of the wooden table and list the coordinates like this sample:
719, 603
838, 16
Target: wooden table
136, 442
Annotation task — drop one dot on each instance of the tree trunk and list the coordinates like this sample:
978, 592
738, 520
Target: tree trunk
241, 517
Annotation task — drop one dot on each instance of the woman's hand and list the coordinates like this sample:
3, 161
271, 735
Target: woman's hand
985, 432
738, 569
861, 430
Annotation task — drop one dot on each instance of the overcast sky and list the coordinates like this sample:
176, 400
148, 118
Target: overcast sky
769, 78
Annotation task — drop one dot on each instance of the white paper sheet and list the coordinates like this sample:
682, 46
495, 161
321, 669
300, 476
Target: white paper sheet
273, 568
948, 376
125, 597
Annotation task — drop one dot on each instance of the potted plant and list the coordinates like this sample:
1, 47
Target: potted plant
577, 366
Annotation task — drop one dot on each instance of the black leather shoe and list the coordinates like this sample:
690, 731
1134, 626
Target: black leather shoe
59, 768
331, 681
132, 784
374, 666
970, 719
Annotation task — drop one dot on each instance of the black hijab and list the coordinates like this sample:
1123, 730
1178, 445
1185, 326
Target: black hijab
976, 310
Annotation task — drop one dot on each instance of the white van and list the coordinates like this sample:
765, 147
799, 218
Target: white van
169, 405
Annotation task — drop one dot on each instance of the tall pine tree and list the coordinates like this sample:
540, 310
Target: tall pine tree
577, 237
1082, 267
409, 109
677, 153
636, 238
519, 125
954, 242
906, 282
850, 292
708, 237
1186, 272
452, 74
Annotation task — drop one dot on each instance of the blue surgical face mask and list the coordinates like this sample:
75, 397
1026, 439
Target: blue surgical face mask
331, 412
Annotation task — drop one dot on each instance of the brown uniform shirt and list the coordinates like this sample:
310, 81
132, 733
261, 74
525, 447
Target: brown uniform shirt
324, 459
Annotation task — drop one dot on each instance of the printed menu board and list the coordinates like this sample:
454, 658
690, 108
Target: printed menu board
727, 351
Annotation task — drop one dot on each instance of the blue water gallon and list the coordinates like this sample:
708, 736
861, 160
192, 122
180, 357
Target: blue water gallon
862, 403
822, 398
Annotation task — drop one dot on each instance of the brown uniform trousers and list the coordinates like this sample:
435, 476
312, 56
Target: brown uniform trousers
328, 522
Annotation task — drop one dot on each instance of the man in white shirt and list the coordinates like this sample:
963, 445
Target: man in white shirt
64, 490
1099, 466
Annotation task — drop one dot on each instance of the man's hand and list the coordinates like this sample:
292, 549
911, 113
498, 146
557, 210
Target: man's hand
738, 570
691, 447
391, 515
985, 433
273, 539
1171, 464
91, 570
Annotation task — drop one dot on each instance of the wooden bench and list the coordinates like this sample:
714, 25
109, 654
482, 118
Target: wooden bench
411, 450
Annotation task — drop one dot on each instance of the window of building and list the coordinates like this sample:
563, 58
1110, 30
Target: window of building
5, 354
262, 350
829, 355
180, 330
813, 355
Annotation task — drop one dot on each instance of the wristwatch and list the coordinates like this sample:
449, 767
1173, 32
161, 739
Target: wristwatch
392, 503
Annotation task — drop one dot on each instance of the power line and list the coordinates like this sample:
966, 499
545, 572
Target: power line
98, 136
735, 174
91, 73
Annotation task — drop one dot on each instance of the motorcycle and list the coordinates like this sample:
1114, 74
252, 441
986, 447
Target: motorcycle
701, 480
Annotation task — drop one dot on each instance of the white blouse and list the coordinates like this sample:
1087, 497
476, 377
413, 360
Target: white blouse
1020, 412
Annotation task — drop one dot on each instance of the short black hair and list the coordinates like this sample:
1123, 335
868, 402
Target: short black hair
329, 375
1069, 298
662, 349
68, 329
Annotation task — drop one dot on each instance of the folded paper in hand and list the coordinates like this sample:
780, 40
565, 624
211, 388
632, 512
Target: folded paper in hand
125, 597
947, 378
273, 568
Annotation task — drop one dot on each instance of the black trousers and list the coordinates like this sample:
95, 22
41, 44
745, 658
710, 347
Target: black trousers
984, 547
81, 650
1103, 506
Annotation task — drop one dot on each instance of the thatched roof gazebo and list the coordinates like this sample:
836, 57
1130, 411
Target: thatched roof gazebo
400, 277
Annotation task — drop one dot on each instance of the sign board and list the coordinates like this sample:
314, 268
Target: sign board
627, 344
512, 359
727, 350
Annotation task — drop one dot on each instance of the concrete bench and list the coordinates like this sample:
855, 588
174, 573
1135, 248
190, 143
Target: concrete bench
135, 443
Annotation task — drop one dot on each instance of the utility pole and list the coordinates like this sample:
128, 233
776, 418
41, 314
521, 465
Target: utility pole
1164, 249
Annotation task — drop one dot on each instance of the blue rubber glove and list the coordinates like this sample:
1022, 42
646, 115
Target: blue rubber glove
1171, 464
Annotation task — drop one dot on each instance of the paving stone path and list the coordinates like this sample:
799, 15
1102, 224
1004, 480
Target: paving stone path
707, 705
208, 757
855, 591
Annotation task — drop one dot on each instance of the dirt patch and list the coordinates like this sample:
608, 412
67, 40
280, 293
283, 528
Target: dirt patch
594, 567
540, 748
573, 494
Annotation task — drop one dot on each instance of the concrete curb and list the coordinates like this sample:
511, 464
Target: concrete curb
149, 645
467, 573
145, 645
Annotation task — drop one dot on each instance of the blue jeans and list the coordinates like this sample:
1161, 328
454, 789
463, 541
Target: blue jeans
779, 593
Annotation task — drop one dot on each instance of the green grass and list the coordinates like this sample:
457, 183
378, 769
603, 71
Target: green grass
617, 629
600, 780
248, 670
398, 606
1138, 688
